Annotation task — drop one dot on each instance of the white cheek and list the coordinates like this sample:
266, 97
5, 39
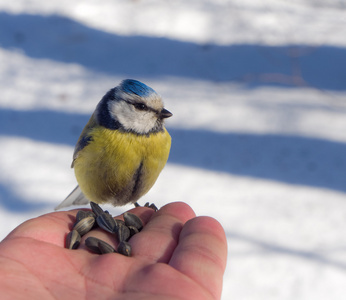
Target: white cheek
132, 119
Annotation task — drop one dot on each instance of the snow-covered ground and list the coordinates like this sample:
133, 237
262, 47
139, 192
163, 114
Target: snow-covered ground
257, 89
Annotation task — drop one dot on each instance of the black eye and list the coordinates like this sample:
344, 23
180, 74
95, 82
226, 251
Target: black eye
140, 106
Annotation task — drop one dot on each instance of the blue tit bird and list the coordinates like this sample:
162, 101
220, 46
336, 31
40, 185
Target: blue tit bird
122, 149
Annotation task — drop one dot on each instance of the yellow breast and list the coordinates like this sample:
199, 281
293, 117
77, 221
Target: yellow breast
120, 167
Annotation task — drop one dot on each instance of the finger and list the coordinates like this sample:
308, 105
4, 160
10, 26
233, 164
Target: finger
51, 228
158, 239
202, 253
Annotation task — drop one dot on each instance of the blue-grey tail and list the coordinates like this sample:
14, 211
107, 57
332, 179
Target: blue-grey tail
76, 197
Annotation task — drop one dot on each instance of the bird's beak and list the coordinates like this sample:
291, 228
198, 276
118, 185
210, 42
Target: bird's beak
165, 114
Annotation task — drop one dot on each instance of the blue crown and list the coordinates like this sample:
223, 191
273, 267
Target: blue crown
132, 86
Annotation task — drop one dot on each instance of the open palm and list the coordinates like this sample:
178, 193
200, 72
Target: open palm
175, 256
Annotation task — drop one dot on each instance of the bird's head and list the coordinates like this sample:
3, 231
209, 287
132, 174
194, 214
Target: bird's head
132, 106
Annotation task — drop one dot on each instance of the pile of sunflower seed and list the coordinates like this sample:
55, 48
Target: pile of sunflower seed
87, 220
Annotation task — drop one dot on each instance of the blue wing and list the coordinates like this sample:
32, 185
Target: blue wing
85, 138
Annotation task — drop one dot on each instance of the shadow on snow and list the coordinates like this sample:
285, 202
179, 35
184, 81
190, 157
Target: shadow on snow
289, 159
65, 40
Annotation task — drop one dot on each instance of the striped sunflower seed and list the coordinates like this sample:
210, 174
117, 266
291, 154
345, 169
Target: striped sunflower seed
97, 210
123, 232
133, 220
106, 222
92, 244
105, 247
124, 248
84, 225
98, 246
81, 214
133, 230
73, 239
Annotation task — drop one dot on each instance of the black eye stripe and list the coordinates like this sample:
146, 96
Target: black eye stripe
140, 106
143, 107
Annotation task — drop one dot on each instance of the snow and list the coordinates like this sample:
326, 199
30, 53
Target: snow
257, 90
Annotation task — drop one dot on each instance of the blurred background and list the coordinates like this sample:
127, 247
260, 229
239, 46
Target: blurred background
257, 89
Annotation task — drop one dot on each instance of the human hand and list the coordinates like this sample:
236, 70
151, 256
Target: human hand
175, 256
